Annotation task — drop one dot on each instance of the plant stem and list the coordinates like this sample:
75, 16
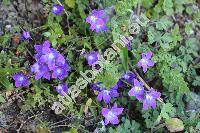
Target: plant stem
66, 14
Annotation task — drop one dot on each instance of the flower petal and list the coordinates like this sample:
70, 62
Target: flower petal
117, 111
104, 111
150, 63
100, 96
149, 55
106, 98
115, 120
131, 92
145, 105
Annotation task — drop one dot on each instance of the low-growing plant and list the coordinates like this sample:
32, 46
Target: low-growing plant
128, 66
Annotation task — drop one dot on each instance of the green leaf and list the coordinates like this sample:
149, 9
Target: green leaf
2, 99
163, 24
42, 130
70, 3
147, 3
89, 102
124, 57
8, 71
6, 83
174, 125
168, 7
47, 34
196, 82
73, 130
167, 111
81, 7
127, 127
122, 7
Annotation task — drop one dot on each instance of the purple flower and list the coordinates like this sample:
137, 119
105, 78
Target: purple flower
26, 35
62, 88
62, 62
49, 58
59, 72
94, 16
99, 26
57, 9
97, 20
120, 83
128, 77
107, 94
137, 90
128, 44
96, 86
146, 61
45, 47
111, 115
21, 80
150, 99
42, 49
40, 70
117, 85
92, 57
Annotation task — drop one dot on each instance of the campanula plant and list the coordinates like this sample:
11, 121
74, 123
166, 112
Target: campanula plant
111, 66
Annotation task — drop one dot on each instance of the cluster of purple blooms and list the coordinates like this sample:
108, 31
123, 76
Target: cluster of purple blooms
48, 61
148, 98
111, 115
97, 20
105, 94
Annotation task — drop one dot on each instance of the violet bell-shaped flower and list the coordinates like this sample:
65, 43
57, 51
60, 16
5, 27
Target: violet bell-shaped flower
62, 89
57, 9
146, 61
92, 58
150, 99
21, 80
137, 90
111, 115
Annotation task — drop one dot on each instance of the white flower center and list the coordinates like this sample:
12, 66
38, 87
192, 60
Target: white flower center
93, 18
90, 57
126, 76
137, 89
21, 78
55, 8
63, 62
58, 71
51, 56
144, 61
36, 67
110, 115
149, 97
107, 92
59, 87
98, 26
